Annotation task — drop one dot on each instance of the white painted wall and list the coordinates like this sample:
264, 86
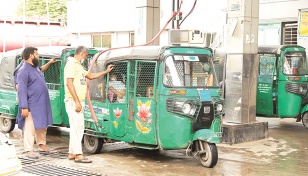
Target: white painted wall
120, 39
101, 15
82, 39
280, 10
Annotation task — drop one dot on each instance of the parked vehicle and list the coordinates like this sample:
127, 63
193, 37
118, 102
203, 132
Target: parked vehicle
53, 77
171, 101
282, 82
169, 98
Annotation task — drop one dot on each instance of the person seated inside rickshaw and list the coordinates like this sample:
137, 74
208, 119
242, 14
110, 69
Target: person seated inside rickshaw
116, 90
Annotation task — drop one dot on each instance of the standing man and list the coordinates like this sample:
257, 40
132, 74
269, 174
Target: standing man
33, 100
75, 94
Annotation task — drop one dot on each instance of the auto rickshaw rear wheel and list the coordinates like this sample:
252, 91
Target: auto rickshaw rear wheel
6, 124
93, 144
305, 119
209, 155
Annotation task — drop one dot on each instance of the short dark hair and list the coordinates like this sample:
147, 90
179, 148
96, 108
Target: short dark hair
81, 49
27, 51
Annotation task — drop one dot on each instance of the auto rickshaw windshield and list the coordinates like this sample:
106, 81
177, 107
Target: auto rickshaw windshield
295, 64
189, 71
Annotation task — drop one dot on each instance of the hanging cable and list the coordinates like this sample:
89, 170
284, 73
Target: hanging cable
192, 9
100, 53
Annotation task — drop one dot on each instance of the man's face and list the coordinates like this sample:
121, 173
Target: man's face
113, 78
35, 59
84, 55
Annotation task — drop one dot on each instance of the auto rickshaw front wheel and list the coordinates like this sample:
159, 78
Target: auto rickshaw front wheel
305, 119
6, 124
208, 154
93, 144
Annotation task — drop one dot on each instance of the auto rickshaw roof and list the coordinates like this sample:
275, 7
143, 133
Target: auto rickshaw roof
137, 52
44, 51
273, 49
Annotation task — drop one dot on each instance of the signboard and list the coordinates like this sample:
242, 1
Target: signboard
303, 23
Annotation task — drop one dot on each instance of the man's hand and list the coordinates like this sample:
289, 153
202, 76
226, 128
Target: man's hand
53, 60
110, 67
24, 112
78, 106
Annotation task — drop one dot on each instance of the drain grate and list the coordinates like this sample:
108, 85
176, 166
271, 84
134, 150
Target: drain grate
44, 169
26, 161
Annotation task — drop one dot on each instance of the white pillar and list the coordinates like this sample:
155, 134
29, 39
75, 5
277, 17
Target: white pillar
148, 21
242, 61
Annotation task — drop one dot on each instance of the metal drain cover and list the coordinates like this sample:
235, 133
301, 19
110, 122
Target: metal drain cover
44, 169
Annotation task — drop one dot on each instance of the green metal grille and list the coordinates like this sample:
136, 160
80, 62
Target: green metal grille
52, 75
145, 79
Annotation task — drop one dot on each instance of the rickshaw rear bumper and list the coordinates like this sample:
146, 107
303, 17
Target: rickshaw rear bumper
207, 135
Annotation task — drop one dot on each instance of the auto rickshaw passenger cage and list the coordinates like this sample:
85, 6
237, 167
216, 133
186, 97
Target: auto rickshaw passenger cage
52, 74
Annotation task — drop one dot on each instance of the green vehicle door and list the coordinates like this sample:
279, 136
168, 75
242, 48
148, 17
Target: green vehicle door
143, 88
266, 94
52, 78
116, 95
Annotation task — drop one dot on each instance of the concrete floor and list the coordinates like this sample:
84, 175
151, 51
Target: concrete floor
285, 152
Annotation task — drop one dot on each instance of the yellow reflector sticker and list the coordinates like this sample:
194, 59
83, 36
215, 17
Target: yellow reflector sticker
294, 78
180, 92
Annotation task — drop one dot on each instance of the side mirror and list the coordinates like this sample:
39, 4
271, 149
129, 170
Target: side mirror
206, 67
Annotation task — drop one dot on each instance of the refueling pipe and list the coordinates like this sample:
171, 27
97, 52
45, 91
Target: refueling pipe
100, 53
191, 10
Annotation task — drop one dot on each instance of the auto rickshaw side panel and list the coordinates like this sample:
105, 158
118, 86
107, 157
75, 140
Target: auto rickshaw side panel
8, 94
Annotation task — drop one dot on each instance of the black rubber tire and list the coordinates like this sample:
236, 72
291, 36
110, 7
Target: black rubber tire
305, 119
7, 125
93, 144
210, 157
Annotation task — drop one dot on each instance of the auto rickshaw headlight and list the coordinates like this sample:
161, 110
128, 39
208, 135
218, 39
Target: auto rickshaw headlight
186, 108
219, 107
189, 109
301, 89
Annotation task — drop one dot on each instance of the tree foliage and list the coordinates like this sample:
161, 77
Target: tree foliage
37, 8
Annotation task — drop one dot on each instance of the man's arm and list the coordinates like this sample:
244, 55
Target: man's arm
22, 93
91, 76
120, 94
47, 65
71, 89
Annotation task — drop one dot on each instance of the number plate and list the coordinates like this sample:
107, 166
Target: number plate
206, 109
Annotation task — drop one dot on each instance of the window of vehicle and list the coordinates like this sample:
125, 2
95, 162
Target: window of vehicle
189, 71
267, 64
295, 63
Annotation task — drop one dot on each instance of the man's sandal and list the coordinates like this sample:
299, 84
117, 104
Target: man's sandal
48, 152
83, 160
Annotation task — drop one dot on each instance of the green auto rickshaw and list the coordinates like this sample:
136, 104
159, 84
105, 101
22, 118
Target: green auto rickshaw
282, 82
53, 77
162, 98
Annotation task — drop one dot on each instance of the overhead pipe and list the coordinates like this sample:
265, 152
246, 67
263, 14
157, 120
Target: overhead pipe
100, 53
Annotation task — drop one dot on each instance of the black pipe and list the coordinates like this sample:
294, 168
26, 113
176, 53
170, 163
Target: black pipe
173, 10
178, 21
